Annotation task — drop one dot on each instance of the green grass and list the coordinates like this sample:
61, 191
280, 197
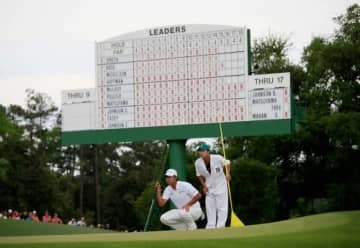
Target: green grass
28, 228
341, 229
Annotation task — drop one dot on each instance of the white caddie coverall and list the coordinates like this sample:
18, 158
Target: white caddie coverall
216, 200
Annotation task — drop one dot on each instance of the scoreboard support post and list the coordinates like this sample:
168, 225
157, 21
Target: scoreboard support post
177, 157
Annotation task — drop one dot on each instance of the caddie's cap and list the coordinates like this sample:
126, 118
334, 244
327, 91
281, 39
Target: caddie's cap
203, 147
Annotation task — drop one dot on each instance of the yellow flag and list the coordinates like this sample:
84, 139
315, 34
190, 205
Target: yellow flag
235, 221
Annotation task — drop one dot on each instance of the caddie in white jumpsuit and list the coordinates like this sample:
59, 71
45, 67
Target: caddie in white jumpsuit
210, 172
186, 199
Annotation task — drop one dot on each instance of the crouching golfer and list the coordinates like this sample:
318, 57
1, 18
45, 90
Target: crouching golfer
186, 199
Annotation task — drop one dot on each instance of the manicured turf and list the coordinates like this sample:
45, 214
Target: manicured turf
341, 229
27, 228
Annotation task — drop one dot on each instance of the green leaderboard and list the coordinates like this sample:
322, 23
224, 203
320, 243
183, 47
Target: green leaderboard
176, 82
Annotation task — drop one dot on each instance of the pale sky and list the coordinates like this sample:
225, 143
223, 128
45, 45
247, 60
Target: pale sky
49, 45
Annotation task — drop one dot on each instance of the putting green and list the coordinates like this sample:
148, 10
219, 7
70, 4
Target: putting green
340, 229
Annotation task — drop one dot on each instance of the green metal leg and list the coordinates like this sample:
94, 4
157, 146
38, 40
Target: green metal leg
177, 157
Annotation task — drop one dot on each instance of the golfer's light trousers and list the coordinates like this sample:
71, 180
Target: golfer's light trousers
180, 219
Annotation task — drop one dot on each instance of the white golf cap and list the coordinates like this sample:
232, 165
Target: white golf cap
171, 173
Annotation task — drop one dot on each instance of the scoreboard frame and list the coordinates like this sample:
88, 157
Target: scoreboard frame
181, 132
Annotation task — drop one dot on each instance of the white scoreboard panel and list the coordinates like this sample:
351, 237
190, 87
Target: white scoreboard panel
269, 96
179, 75
78, 109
